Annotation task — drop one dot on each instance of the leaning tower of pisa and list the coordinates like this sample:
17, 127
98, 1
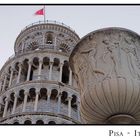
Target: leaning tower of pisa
36, 83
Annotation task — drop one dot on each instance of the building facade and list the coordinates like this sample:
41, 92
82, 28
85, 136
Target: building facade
37, 85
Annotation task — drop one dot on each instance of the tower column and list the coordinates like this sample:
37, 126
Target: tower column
0, 85
43, 40
29, 70
25, 101
11, 77
59, 103
40, 68
78, 110
22, 47
6, 106
4, 84
48, 99
19, 73
70, 77
15, 103
61, 69
50, 72
36, 101
69, 105
55, 39
1, 103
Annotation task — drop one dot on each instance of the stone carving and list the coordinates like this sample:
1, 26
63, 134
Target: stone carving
107, 70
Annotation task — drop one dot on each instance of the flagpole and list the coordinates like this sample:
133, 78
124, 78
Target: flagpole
44, 14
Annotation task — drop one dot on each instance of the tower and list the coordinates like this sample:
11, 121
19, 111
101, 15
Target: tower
36, 84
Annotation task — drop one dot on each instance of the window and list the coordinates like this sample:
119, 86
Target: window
49, 39
65, 73
64, 48
16, 122
33, 45
51, 122
39, 122
27, 122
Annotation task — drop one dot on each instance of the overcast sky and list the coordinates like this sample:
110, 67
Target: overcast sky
83, 19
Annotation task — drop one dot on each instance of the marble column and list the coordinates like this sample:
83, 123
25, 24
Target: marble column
1, 103
48, 99
0, 85
11, 77
15, 103
50, 72
69, 105
19, 73
55, 40
25, 102
40, 68
43, 40
6, 106
61, 69
4, 84
70, 77
29, 70
22, 47
36, 101
78, 110
59, 103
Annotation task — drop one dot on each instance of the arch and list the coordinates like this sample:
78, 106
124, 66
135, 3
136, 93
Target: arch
27, 122
46, 61
11, 102
32, 94
35, 66
74, 101
64, 48
54, 94
21, 97
25, 66
12, 96
16, 122
51, 122
35, 61
56, 62
33, 45
43, 94
15, 73
39, 122
65, 72
49, 38
17, 66
64, 97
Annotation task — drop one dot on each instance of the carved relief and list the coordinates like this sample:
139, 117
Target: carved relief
107, 66
122, 52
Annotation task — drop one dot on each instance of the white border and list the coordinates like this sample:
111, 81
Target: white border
69, 1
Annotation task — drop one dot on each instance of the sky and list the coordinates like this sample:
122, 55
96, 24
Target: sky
82, 19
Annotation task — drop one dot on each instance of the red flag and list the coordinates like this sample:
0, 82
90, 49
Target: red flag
40, 12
